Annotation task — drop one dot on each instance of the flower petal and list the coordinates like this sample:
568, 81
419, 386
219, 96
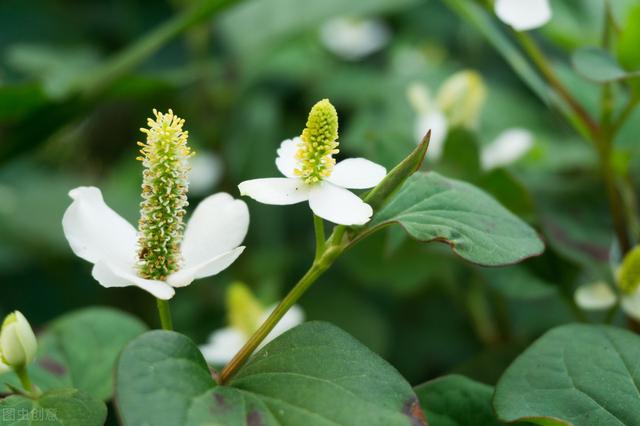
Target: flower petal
353, 39
212, 266
523, 15
437, 123
109, 275
595, 296
223, 344
217, 225
95, 232
631, 305
339, 205
277, 191
508, 148
286, 160
357, 173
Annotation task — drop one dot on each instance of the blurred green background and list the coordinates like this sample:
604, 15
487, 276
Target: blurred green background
244, 79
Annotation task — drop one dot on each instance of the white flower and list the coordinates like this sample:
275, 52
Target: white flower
99, 235
523, 15
353, 39
206, 171
18, 344
595, 296
224, 343
507, 148
312, 175
429, 117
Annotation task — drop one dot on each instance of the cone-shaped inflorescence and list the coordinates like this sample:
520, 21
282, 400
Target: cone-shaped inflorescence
165, 158
318, 143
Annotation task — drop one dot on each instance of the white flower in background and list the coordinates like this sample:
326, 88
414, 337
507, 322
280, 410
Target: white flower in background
595, 296
162, 254
459, 102
245, 317
523, 15
312, 175
353, 39
206, 171
18, 344
599, 296
429, 117
507, 148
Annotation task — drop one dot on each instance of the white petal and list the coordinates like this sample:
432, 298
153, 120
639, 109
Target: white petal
293, 318
595, 296
353, 39
223, 344
4, 367
277, 191
95, 232
217, 225
206, 171
631, 305
286, 160
523, 15
109, 275
437, 123
508, 148
357, 173
210, 267
339, 205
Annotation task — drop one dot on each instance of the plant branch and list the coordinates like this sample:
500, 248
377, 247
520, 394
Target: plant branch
318, 227
164, 312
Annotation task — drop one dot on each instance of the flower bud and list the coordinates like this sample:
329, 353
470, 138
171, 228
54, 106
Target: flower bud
245, 311
461, 97
629, 272
18, 344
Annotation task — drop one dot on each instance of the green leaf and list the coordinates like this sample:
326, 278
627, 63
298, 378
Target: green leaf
598, 65
68, 407
80, 349
315, 374
517, 282
575, 374
431, 207
457, 401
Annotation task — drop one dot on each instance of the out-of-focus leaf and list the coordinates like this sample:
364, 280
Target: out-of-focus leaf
80, 350
457, 401
517, 282
273, 20
314, 374
598, 65
431, 207
574, 375
60, 70
63, 407
629, 40
16, 101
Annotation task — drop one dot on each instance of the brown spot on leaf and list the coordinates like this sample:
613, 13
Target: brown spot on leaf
411, 409
53, 366
254, 418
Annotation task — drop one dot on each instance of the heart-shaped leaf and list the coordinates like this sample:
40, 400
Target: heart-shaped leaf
79, 350
431, 207
68, 407
598, 65
457, 401
582, 375
315, 374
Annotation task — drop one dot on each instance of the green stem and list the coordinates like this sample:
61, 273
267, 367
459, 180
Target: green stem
318, 267
164, 312
538, 58
318, 227
23, 375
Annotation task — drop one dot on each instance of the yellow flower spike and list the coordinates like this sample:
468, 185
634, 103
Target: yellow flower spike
629, 272
244, 310
165, 157
318, 143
